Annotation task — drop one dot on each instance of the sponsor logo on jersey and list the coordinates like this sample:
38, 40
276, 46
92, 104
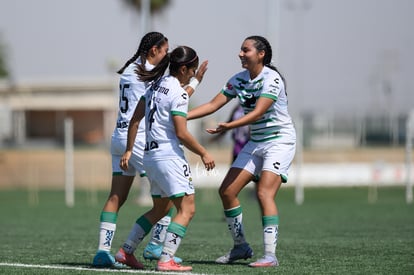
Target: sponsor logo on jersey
249, 101
182, 103
160, 89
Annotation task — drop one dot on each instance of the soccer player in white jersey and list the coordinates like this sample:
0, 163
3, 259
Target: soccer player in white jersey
165, 107
152, 49
260, 89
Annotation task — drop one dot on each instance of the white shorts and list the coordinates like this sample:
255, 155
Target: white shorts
169, 177
273, 156
135, 162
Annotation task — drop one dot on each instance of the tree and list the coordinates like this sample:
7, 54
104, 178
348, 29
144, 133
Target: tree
145, 8
156, 5
4, 73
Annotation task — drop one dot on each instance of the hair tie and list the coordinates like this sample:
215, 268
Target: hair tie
187, 62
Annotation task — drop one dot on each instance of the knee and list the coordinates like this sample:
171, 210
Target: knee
190, 211
226, 194
264, 195
115, 199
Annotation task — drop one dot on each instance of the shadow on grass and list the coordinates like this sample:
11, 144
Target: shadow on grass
216, 264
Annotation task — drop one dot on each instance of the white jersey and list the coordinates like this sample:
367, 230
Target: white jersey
276, 123
130, 91
164, 99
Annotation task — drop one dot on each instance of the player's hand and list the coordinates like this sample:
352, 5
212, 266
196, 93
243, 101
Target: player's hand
201, 70
124, 160
208, 161
222, 127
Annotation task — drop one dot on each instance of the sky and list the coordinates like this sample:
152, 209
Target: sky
338, 56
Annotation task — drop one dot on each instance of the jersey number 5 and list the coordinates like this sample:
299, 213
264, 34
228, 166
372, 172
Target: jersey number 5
123, 100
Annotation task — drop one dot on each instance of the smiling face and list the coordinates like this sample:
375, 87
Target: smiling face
251, 59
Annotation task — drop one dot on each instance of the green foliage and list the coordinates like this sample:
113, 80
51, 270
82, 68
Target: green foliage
3, 62
335, 231
156, 5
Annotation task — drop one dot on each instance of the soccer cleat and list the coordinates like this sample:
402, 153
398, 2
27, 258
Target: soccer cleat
240, 251
103, 259
153, 252
128, 259
171, 265
265, 261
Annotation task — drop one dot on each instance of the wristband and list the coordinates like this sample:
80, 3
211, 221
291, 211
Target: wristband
194, 83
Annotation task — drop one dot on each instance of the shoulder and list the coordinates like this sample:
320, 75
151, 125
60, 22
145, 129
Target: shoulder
272, 77
240, 75
129, 73
268, 73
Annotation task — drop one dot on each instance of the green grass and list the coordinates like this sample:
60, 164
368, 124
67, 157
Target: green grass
335, 231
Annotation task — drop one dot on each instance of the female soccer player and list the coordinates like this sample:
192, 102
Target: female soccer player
267, 156
165, 107
152, 50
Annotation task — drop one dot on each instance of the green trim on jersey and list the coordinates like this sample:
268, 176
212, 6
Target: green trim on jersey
262, 121
117, 174
265, 139
177, 113
273, 97
276, 133
227, 94
179, 195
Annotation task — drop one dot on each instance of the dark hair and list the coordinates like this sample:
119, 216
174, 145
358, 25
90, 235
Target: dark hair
261, 44
180, 56
149, 40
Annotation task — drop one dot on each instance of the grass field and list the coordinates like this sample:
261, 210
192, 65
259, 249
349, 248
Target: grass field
335, 231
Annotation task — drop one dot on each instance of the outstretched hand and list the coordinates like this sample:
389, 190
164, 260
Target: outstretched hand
201, 70
221, 127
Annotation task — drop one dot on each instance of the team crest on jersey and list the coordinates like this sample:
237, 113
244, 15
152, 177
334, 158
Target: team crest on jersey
229, 86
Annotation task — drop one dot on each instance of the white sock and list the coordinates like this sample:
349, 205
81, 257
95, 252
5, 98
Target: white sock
135, 237
270, 233
234, 218
159, 231
171, 244
106, 235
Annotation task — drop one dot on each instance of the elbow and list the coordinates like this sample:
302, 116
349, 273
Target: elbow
181, 136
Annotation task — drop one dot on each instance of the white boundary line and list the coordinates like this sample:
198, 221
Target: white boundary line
62, 267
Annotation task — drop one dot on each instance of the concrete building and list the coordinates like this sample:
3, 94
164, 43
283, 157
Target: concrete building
35, 113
